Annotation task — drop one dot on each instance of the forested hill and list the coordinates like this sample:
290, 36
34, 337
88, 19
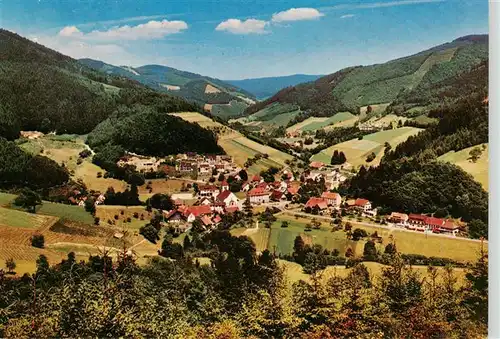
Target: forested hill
190, 86
410, 178
411, 83
44, 90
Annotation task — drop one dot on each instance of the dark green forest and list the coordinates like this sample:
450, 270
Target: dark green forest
240, 294
19, 169
410, 178
46, 91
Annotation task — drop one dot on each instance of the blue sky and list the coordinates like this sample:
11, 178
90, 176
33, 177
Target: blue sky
231, 39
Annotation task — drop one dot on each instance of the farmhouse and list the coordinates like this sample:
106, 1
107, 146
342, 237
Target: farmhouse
258, 196
277, 195
332, 199
398, 218
449, 226
192, 212
317, 164
416, 220
256, 179
315, 202
141, 163
363, 204
174, 216
208, 191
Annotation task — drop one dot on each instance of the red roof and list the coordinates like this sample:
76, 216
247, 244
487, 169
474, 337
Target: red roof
256, 178
208, 188
293, 190
434, 221
224, 183
231, 209
417, 217
217, 219
330, 195
316, 164
223, 195
361, 202
254, 192
198, 210
263, 185
171, 213
450, 225
314, 201
276, 195
206, 220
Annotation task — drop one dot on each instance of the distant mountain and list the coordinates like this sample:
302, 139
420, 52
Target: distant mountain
263, 88
218, 97
408, 86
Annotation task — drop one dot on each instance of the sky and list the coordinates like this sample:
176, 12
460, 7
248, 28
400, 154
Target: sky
237, 39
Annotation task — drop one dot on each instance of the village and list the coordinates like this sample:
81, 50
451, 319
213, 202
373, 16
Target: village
222, 188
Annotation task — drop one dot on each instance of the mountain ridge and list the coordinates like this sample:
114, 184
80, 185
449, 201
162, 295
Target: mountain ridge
352, 88
208, 92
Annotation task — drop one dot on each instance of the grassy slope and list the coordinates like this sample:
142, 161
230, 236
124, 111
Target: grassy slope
479, 169
281, 240
356, 150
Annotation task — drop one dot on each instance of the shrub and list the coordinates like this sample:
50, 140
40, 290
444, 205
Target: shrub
38, 240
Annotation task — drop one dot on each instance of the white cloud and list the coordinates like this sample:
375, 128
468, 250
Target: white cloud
77, 48
70, 31
347, 16
296, 14
379, 4
249, 26
148, 31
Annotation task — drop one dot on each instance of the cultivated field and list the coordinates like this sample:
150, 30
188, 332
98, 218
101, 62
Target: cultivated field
376, 109
295, 272
169, 186
356, 150
241, 148
312, 124
281, 240
479, 169
87, 171
198, 118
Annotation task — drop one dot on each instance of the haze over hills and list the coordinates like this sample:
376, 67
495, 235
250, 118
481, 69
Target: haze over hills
265, 87
216, 96
405, 83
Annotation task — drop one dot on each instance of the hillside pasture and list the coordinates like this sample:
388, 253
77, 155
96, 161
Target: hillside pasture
198, 118
20, 219
88, 171
376, 108
108, 212
164, 186
295, 272
318, 123
479, 169
356, 150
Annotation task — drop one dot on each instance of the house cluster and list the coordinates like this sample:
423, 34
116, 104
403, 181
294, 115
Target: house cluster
332, 176
213, 202
141, 163
424, 223
261, 192
78, 198
327, 201
205, 165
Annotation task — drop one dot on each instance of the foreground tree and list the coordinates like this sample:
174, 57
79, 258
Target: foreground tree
28, 200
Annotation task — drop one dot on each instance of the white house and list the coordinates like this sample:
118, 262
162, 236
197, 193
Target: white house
208, 191
258, 196
228, 198
332, 199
